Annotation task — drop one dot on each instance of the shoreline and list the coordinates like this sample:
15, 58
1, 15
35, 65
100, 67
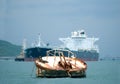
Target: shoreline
7, 58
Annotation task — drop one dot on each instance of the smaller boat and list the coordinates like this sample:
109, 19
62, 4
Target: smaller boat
55, 64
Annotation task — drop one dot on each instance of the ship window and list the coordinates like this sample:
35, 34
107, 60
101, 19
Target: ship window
82, 33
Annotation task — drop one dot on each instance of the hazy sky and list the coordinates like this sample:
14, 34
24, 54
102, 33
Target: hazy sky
21, 19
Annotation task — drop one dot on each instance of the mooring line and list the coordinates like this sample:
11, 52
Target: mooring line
32, 70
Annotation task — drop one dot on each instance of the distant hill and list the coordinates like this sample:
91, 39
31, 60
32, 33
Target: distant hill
9, 49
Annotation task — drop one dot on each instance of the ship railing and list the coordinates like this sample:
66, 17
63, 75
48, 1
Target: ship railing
60, 52
89, 49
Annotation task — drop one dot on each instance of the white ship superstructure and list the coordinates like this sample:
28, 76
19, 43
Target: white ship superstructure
79, 41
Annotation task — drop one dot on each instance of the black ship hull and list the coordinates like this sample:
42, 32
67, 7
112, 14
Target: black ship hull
33, 53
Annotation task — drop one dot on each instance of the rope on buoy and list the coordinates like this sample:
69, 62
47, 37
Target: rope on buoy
69, 74
32, 70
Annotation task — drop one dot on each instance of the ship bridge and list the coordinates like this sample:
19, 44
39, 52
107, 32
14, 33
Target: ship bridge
78, 34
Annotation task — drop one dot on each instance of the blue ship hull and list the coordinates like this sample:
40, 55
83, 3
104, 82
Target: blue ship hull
36, 52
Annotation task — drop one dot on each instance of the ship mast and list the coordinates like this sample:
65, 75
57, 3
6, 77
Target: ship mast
39, 40
24, 45
22, 53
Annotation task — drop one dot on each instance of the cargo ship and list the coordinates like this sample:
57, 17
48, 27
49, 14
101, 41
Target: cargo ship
82, 46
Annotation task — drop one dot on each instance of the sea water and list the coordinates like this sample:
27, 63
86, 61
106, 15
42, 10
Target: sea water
98, 72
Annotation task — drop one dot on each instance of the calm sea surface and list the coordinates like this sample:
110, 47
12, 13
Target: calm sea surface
100, 72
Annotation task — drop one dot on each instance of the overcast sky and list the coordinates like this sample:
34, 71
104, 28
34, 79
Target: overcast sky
21, 19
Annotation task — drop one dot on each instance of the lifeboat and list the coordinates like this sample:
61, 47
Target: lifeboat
58, 65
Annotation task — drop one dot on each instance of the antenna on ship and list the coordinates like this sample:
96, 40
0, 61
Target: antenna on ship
40, 42
23, 47
39, 39
24, 44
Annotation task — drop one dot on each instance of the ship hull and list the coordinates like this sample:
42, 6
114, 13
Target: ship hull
87, 55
